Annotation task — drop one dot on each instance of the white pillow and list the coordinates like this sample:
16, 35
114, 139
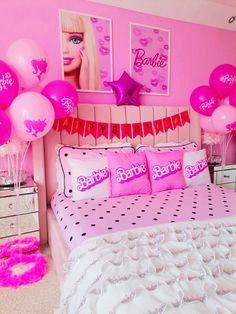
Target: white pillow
64, 152
90, 178
196, 169
167, 147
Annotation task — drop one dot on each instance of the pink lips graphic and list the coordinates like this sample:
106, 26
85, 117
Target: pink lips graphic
67, 61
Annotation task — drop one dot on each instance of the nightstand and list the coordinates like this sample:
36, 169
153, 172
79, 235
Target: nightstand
225, 176
19, 214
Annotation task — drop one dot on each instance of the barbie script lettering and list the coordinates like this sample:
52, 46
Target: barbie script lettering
6, 80
160, 172
208, 104
97, 177
191, 171
229, 79
126, 175
158, 60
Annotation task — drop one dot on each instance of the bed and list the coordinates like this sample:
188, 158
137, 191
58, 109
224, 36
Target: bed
167, 252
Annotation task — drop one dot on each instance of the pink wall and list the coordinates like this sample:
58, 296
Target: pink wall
195, 49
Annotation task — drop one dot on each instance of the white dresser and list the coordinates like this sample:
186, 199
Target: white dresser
19, 214
225, 176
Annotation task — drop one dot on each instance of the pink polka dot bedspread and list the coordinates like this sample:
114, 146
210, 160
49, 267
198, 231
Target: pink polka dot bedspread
80, 220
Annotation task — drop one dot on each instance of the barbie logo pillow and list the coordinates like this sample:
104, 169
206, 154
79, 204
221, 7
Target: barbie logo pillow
196, 170
82, 152
129, 174
90, 178
166, 170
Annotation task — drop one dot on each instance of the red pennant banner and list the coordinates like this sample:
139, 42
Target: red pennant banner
158, 126
137, 129
78, 126
185, 117
56, 125
102, 129
126, 130
114, 130
147, 128
167, 124
110, 130
176, 120
90, 128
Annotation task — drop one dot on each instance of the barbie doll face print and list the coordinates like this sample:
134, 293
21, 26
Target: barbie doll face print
86, 51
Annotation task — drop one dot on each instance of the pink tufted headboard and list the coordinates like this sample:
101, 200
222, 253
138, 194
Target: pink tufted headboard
44, 155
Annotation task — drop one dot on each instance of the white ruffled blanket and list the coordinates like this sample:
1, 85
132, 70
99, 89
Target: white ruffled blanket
179, 268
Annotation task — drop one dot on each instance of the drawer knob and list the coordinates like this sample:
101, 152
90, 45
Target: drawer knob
12, 225
10, 206
226, 176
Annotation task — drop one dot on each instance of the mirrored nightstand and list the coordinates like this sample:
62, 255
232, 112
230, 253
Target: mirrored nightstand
225, 176
19, 214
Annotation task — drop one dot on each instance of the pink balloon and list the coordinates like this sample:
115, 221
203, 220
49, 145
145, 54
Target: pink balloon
126, 90
223, 79
204, 100
63, 97
5, 127
9, 85
224, 119
28, 60
32, 116
225, 101
206, 124
232, 97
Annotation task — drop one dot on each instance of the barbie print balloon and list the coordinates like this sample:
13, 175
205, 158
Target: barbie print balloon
29, 61
223, 79
63, 97
9, 85
32, 116
204, 100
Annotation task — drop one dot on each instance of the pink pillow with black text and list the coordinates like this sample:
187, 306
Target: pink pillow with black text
90, 178
196, 171
166, 170
129, 174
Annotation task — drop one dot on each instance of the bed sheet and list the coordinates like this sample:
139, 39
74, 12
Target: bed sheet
80, 220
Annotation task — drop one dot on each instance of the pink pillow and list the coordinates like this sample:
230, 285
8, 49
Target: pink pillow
129, 174
196, 171
166, 170
75, 152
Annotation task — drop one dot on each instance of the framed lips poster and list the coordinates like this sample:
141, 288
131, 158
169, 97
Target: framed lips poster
150, 58
86, 51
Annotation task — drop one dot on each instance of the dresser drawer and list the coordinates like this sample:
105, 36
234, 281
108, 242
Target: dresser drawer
12, 205
30, 234
226, 176
27, 223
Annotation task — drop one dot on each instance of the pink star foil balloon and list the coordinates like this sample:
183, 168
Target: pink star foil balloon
126, 90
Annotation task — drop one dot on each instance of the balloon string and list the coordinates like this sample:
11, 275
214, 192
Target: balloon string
16, 163
225, 145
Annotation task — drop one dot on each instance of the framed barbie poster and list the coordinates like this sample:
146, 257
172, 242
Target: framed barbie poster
150, 58
86, 51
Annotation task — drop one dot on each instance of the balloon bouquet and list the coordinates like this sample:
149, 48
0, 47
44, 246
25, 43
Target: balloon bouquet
26, 114
216, 104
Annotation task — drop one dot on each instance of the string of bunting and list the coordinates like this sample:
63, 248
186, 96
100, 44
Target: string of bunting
121, 130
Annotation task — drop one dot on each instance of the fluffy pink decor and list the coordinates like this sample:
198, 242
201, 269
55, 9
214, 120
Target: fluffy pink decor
21, 245
33, 274
211, 138
12, 253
